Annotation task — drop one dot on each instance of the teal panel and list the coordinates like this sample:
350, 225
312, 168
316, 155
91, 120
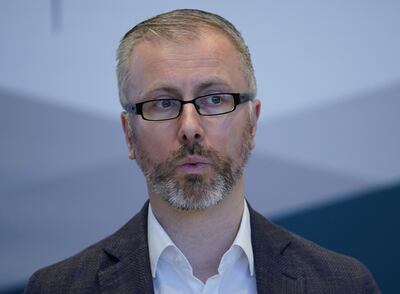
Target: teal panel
13, 290
366, 227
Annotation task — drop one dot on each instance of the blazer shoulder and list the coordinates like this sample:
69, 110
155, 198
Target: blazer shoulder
321, 268
75, 272
78, 273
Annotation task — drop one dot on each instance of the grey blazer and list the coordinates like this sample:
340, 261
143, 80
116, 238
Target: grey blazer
284, 263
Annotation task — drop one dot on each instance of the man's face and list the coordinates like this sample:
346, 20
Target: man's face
192, 161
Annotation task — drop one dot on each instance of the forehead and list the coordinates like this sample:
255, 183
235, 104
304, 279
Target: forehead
211, 57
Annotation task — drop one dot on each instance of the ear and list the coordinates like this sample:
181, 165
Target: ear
254, 119
128, 135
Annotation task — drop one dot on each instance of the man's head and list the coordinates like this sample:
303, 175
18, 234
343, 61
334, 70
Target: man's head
193, 157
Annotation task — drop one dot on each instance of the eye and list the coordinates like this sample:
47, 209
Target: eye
213, 100
164, 104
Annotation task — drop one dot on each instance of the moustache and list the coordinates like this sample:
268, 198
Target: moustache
168, 167
194, 149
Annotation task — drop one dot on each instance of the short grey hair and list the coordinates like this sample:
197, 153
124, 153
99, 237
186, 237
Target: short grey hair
179, 25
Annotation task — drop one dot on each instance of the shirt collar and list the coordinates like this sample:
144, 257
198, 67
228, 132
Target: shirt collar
243, 237
159, 240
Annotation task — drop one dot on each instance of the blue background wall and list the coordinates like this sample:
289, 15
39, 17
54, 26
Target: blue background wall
326, 163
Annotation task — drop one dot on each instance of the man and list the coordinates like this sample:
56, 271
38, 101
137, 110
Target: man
187, 85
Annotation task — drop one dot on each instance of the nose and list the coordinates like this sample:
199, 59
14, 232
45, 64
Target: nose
190, 128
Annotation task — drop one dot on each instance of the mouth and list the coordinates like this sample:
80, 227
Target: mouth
193, 164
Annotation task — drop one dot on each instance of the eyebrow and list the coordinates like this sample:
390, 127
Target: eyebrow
210, 83
207, 83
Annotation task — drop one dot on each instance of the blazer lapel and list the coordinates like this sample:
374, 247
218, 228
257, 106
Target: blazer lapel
275, 272
129, 271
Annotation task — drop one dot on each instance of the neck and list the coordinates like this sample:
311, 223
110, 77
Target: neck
202, 236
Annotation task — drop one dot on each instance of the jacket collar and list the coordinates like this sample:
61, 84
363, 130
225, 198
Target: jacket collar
275, 271
128, 250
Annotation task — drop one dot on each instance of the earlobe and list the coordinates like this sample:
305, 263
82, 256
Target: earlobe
128, 135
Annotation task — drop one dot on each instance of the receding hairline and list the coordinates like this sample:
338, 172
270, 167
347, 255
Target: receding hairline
182, 20
201, 31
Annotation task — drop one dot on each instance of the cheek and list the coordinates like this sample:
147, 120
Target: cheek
156, 143
223, 136
232, 135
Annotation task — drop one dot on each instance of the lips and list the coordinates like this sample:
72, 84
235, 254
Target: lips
193, 160
193, 164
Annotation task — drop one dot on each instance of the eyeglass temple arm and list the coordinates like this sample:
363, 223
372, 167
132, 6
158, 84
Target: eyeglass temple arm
244, 98
133, 108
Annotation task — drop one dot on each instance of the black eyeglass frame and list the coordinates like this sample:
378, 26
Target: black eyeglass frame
238, 98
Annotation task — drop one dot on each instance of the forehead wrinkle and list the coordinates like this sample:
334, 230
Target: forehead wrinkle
166, 69
184, 62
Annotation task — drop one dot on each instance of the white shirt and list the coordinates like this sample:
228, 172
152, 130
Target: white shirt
173, 274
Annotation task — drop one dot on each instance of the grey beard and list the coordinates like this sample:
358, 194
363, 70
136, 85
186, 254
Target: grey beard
195, 193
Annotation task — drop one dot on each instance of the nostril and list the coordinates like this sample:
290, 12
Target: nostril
186, 138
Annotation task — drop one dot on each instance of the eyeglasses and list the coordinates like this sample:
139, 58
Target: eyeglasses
207, 105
